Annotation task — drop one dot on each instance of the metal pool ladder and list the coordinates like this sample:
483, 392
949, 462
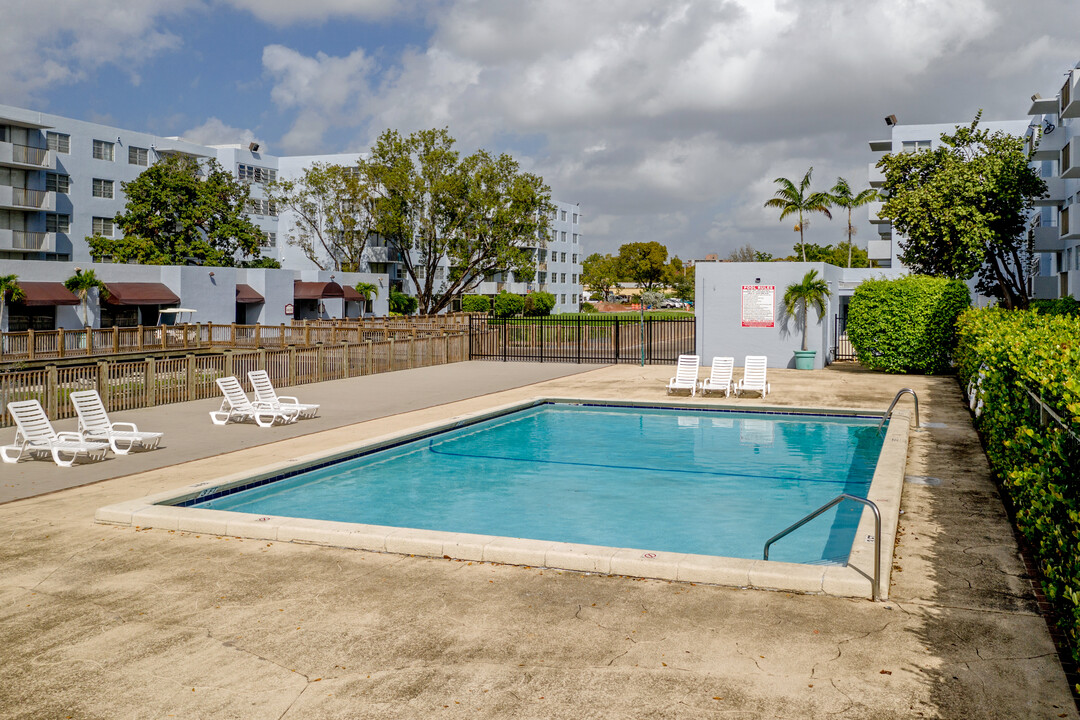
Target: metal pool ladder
888, 413
836, 501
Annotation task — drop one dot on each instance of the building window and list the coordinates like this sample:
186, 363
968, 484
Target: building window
57, 223
103, 227
573, 258
103, 150
573, 299
563, 298
562, 277
575, 237
573, 278
910, 146
554, 235
562, 257
575, 218
255, 174
58, 142
564, 220
269, 239
138, 156
562, 236
55, 182
259, 206
103, 188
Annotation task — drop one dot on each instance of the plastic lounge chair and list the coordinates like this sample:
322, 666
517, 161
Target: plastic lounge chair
94, 424
264, 392
720, 379
35, 436
236, 406
685, 374
753, 379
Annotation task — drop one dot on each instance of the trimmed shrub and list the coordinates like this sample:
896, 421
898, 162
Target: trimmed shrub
539, 304
1061, 306
587, 307
906, 325
476, 303
402, 304
508, 304
1002, 356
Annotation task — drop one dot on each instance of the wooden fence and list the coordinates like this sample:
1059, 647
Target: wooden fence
145, 382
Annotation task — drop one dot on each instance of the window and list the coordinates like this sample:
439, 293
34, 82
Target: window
255, 174
915, 145
575, 237
554, 235
564, 220
573, 278
573, 258
259, 206
563, 300
55, 182
103, 227
575, 218
58, 142
269, 239
138, 156
103, 150
57, 223
103, 188
573, 299
562, 277
563, 236
562, 257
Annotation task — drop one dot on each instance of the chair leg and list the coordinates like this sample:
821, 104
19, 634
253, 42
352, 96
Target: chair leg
59, 461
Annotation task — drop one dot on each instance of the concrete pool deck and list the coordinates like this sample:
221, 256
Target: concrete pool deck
105, 621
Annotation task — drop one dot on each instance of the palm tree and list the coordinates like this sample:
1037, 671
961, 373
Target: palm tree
792, 200
812, 290
841, 196
9, 285
367, 291
81, 283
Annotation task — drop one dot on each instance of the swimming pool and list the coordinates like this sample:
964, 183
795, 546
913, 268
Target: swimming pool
682, 463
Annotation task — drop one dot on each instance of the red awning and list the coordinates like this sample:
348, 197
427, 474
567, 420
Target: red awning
47, 293
140, 293
316, 290
248, 295
351, 294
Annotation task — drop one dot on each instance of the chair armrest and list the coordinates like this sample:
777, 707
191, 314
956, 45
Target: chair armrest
67, 436
288, 400
131, 426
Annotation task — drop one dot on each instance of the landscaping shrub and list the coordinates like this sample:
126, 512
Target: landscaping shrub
587, 307
508, 304
539, 304
402, 304
1002, 355
476, 303
906, 325
1061, 306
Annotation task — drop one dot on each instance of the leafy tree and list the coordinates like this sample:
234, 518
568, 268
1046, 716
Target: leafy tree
600, 273
811, 290
262, 262
963, 208
477, 215
651, 298
508, 304
9, 287
401, 303
81, 283
841, 196
681, 282
476, 303
332, 218
834, 255
539, 304
762, 256
366, 290
744, 254
798, 200
643, 263
179, 211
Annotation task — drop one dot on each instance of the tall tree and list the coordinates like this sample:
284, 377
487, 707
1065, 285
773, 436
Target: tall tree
473, 216
810, 291
9, 288
963, 207
600, 273
793, 199
841, 196
331, 215
643, 263
744, 254
180, 211
81, 283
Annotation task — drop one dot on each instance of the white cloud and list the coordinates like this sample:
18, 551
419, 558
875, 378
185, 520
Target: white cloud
285, 12
215, 132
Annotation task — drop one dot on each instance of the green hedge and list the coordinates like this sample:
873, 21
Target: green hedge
476, 303
508, 304
539, 304
1002, 354
906, 325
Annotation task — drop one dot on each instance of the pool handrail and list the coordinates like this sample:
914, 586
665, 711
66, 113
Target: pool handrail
888, 413
836, 501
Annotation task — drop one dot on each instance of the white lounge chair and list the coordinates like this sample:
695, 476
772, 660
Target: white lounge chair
685, 374
720, 379
236, 406
753, 379
264, 392
94, 424
35, 436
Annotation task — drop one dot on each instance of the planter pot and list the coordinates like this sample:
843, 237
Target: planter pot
804, 359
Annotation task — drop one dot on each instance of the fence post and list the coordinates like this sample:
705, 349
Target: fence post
258, 335
60, 342
616, 340
116, 339
412, 350
470, 336
228, 363
164, 337
577, 322
30, 344
391, 358
139, 330
292, 365
369, 359
51, 390
318, 362
190, 376
101, 382
150, 388
262, 359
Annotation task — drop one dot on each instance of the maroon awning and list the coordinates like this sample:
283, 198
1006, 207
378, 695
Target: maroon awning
316, 290
351, 295
46, 293
248, 295
140, 293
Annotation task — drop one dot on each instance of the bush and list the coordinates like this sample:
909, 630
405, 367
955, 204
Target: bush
402, 304
1061, 306
587, 307
906, 325
508, 304
476, 303
1002, 355
539, 304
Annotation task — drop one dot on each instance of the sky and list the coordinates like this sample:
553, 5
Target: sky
666, 120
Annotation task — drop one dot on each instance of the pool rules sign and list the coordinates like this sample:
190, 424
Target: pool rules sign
759, 306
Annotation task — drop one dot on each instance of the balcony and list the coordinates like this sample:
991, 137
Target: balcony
1047, 238
541, 266
14, 198
1055, 192
24, 156
381, 254
881, 145
879, 249
1069, 166
1043, 106
876, 175
874, 209
1067, 230
1045, 287
22, 241
1049, 145
1069, 100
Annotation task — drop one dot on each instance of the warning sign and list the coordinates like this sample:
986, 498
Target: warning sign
758, 306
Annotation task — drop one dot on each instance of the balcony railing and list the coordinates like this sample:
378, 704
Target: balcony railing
21, 240
27, 198
29, 155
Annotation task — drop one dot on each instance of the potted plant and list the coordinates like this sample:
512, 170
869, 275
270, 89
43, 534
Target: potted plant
811, 290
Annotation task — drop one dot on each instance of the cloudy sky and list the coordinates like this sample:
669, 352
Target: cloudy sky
667, 120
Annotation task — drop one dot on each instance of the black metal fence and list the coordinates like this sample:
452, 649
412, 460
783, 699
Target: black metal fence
591, 339
842, 347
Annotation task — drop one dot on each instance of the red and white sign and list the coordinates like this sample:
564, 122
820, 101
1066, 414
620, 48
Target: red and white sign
288, 308
759, 306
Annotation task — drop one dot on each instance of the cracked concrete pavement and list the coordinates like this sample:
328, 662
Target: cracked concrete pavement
100, 621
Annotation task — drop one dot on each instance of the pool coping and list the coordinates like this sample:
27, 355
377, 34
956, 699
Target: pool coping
853, 580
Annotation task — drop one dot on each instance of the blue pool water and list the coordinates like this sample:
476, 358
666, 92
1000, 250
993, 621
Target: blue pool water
708, 482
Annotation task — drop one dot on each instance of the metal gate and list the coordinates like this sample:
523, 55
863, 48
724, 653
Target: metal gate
582, 339
842, 347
